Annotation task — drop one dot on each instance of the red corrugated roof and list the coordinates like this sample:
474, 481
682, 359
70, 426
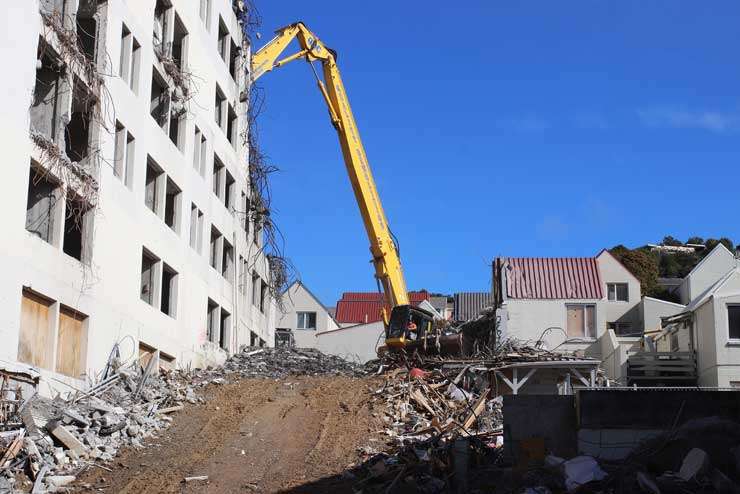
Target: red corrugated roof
363, 307
553, 278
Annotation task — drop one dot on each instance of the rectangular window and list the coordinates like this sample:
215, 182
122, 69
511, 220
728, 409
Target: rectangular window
219, 174
123, 155
36, 337
180, 44
172, 206
234, 61
581, 321
42, 205
232, 128
733, 320
223, 40
77, 229
263, 295
154, 175
161, 9
227, 263
617, 292
242, 283
220, 108
244, 213
255, 289
621, 328
216, 246
148, 276
124, 66
168, 299
159, 101
212, 321
196, 148
229, 192
203, 155
196, 228
224, 330
71, 342
130, 58
306, 320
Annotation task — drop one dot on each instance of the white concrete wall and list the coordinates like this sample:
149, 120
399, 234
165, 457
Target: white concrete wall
612, 271
298, 299
653, 309
706, 345
713, 267
526, 320
719, 359
108, 290
355, 343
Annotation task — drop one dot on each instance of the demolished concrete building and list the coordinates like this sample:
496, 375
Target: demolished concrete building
131, 164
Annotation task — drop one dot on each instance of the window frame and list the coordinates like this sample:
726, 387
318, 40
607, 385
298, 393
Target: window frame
304, 317
616, 286
583, 307
736, 338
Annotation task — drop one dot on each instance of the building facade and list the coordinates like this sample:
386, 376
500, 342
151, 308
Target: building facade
304, 316
126, 188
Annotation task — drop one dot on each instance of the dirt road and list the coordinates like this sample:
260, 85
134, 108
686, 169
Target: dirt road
294, 435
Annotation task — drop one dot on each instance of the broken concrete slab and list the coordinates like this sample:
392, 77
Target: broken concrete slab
67, 439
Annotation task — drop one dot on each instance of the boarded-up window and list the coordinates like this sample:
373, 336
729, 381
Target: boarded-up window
581, 321
71, 344
36, 339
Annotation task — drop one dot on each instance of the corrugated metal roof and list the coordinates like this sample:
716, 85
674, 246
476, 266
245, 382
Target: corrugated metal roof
553, 278
365, 307
469, 304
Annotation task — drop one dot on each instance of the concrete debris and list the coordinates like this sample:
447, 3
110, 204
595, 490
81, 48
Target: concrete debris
55, 440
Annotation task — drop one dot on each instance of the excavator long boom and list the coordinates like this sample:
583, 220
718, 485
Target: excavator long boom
384, 250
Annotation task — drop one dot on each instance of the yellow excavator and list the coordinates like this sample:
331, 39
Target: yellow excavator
406, 326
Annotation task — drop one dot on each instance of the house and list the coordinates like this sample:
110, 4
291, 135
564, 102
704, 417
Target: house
443, 306
566, 303
126, 191
304, 316
704, 338
366, 307
468, 305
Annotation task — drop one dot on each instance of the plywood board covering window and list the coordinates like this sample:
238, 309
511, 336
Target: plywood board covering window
71, 344
581, 321
36, 339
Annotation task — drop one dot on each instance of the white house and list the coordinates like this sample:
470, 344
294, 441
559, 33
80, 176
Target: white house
568, 303
710, 323
304, 315
125, 188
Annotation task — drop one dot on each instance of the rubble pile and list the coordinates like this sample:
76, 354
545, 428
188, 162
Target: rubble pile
46, 443
277, 363
438, 421
53, 440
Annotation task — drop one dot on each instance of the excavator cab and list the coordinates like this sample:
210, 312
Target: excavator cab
408, 326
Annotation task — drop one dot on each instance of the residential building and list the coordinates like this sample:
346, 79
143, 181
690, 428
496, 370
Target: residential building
468, 305
707, 330
304, 315
125, 188
443, 305
366, 307
566, 303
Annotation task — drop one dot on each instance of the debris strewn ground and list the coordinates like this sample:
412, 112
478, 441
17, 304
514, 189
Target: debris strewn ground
296, 420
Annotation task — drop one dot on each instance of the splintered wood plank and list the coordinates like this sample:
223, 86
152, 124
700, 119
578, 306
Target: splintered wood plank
36, 338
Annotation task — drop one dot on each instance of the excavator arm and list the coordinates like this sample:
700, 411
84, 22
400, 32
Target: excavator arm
384, 251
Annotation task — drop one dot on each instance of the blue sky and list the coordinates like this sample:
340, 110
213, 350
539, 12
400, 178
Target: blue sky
506, 128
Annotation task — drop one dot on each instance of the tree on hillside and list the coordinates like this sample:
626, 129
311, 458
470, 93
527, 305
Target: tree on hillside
674, 242
711, 243
641, 264
695, 240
